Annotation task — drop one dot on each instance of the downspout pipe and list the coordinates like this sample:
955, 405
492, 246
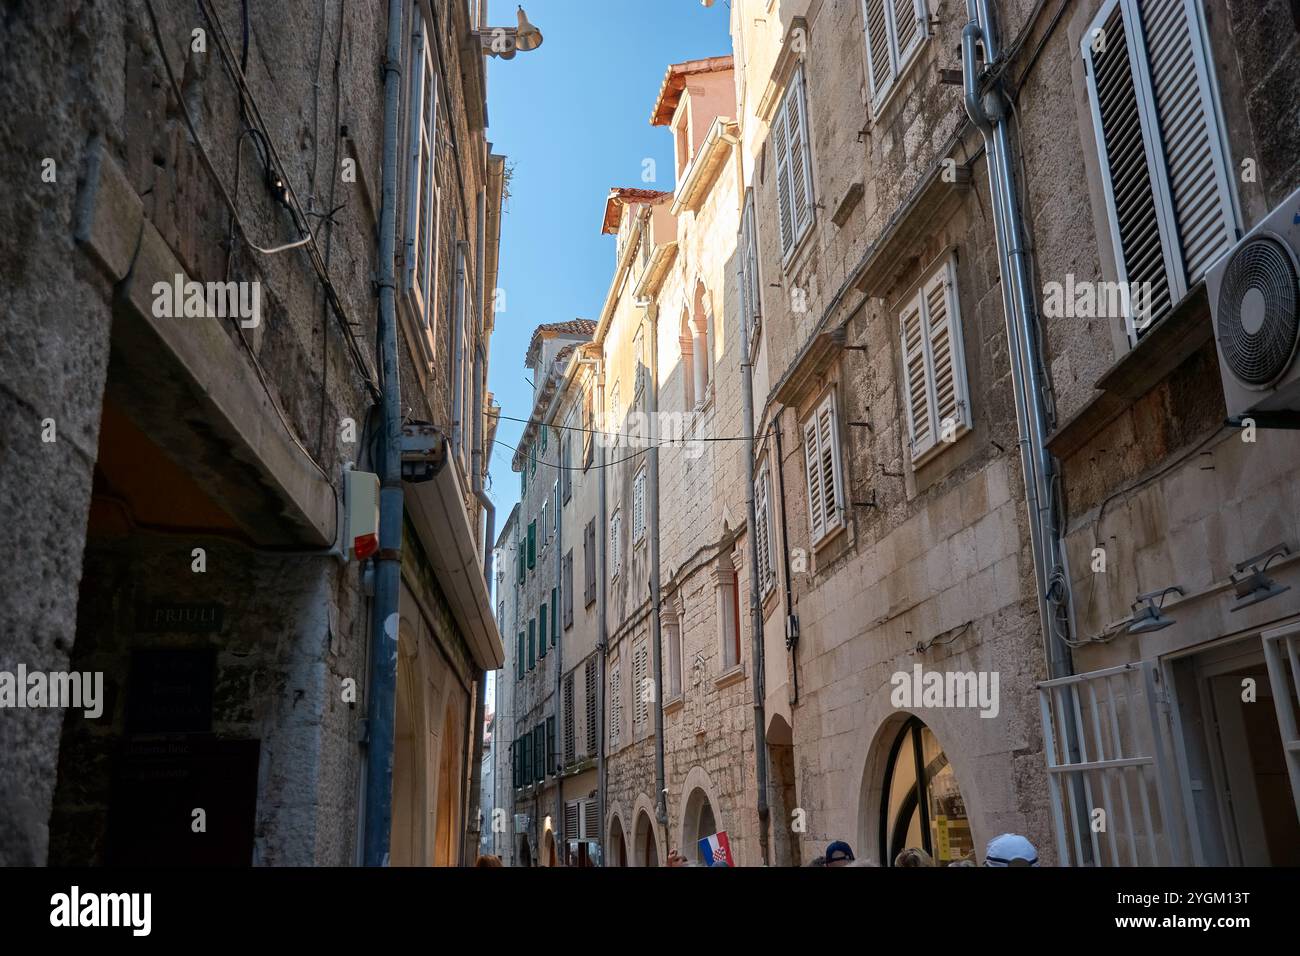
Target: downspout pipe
989, 114
556, 634
489, 512
755, 590
382, 692
602, 616
656, 591
458, 357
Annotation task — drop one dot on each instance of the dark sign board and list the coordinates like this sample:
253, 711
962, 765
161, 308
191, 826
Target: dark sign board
170, 691
186, 618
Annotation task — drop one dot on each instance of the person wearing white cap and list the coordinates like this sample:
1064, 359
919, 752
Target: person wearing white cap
1010, 849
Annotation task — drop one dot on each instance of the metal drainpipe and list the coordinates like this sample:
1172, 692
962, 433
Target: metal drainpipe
602, 610
656, 594
757, 656
381, 694
489, 512
990, 116
755, 595
558, 620
458, 356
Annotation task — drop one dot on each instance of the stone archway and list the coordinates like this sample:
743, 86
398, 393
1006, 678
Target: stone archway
646, 849
617, 843
701, 814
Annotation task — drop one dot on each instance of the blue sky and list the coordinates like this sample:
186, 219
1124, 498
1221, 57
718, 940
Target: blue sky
573, 118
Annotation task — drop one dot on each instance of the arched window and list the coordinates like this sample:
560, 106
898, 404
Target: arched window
686, 340
701, 340
922, 809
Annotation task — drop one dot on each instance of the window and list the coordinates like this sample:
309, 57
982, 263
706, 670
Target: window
934, 365
673, 632
519, 658
686, 342
794, 187
642, 363
532, 544
543, 429
638, 506
822, 463
751, 295
532, 463
532, 643
551, 754
922, 809
588, 430
555, 508
615, 423
545, 519
615, 533
523, 482
591, 705
566, 588
642, 687
541, 632
423, 207
894, 31
763, 530
1169, 197
589, 563
566, 466
555, 616
726, 586
615, 703
539, 752
521, 550
570, 749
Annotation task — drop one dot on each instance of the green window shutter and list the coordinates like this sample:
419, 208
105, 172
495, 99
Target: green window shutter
550, 745
541, 636
523, 483
532, 644
532, 544
544, 431
539, 767
523, 558
555, 619
519, 658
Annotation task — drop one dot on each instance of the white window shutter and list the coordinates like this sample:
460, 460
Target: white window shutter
880, 56
638, 506
763, 531
829, 459
948, 368
816, 496
909, 27
800, 156
781, 145
750, 253
1193, 148
413, 190
615, 703
916, 388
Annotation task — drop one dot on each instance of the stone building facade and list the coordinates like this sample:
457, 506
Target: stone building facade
177, 476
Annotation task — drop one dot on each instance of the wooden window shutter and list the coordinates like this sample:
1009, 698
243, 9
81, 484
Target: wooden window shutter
909, 28
532, 643
572, 819
551, 754
943, 327
567, 589
800, 156
640, 706
828, 451
916, 388
541, 632
592, 711
781, 143
570, 754
532, 544
816, 494
519, 657
880, 55
752, 289
555, 616
615, 703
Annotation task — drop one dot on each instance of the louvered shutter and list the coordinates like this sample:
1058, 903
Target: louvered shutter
615, 703
1193, 150
615, 558
555, 616
880, 58
800, 157
551, 754
589, 563
951, 402
916, 388
828, 451
749, 263
591, 681
639, 708
816, 494
567, 589
638, 506
541, 633
519, 657
570, 745
909, 28
590, 821
763, 531
572, 819
781, 145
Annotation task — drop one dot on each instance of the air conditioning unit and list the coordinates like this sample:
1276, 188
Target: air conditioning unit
1254, 293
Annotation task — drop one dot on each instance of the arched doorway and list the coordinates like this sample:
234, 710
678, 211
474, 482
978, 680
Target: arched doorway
921, 804
548, 850
617, 844
644, 843
525, 854
698, 823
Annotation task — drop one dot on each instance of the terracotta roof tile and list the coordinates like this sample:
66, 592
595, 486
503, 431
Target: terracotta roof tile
577, 327
670, 91
622, 196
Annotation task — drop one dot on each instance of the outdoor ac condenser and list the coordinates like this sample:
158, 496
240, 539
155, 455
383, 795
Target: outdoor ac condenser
1254, 293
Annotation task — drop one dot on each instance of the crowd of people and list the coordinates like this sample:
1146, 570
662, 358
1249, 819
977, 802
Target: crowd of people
1009, 849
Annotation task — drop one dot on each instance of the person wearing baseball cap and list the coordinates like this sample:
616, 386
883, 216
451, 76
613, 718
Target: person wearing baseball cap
839, 853
1010, 849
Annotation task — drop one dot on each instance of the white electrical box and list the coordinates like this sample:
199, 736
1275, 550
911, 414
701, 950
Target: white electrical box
361, 504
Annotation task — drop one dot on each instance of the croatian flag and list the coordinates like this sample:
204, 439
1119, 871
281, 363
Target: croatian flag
716, 848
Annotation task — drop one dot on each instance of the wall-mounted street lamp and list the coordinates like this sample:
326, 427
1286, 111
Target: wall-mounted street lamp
1253, 585
505, 42
1147, 616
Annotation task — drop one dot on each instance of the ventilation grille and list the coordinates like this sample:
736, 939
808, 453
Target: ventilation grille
1257, 320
